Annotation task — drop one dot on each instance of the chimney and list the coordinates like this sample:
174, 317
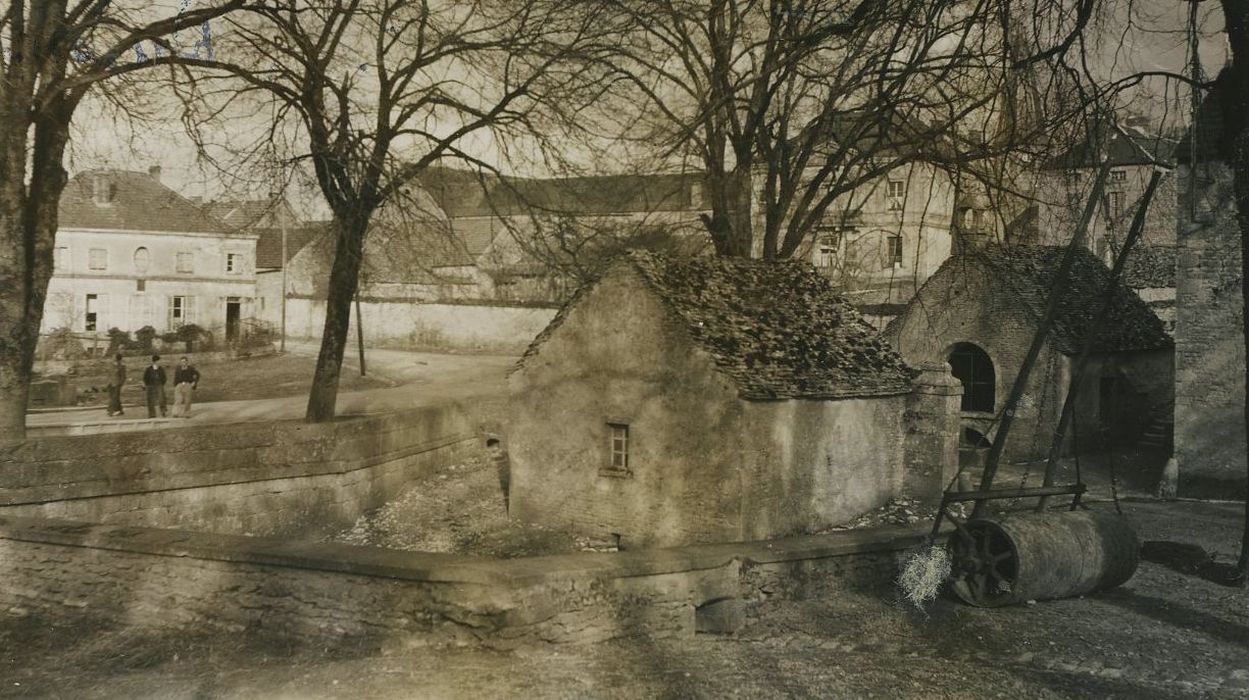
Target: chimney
154, 172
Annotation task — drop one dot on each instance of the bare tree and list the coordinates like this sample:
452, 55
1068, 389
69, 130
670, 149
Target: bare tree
55, 53
382, 89
792, 105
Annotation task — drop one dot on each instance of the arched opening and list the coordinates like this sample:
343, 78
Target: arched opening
974, 438
972, 366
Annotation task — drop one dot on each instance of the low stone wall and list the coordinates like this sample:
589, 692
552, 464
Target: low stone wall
437, 326
255, 478
332, 593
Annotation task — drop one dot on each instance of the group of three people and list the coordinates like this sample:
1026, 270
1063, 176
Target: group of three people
185, 381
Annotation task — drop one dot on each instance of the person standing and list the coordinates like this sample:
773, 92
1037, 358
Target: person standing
154, 382
114, 389
185, 380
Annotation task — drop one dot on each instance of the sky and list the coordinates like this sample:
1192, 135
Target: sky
1154, 40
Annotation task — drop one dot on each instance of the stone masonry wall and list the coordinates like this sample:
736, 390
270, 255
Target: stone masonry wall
932, 427
327, 594
1209, 348
255, 478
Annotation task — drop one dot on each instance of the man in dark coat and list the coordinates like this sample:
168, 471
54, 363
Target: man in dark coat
154, 382
114, 389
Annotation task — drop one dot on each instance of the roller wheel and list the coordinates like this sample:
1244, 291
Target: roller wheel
984, 564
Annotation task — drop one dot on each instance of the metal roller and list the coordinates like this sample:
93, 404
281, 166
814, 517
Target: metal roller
1041, 556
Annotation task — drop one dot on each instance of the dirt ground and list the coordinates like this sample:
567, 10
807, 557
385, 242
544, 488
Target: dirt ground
240, 379
1164, 634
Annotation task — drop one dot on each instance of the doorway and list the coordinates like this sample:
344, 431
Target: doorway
234, 312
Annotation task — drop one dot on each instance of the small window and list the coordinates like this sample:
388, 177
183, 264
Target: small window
97, 259
1114, 205
1118, 176
103, 190
92, 310
896, 193
619, 433
185, 262
60, 259
895, 250
140, 285
234, 263
142, 258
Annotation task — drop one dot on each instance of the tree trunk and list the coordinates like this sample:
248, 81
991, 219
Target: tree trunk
344, 277
1234, 89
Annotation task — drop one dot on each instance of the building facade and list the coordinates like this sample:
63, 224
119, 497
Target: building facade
1209, 324
980, 313
131, 253
704, 399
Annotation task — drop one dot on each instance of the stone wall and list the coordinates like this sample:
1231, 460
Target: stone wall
932, 427
257, 478
960, 305
464, 327
620, 358
327, 594
704, 465
1209, 347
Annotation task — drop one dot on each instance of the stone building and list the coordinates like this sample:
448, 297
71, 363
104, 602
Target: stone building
1064, 183
681, 400
1209, 341
980, 313
131, 252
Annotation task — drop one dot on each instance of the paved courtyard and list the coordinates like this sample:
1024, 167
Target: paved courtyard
1163, 635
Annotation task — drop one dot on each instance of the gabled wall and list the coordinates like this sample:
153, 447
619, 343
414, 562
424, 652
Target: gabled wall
619, 356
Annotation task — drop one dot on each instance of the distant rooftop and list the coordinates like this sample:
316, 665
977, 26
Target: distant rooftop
131, 201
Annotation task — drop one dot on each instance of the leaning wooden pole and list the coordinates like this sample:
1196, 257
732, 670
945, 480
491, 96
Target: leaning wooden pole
1090, 336
1034, 350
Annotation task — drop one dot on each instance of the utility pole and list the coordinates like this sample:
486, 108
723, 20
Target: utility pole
360, 333
282, 224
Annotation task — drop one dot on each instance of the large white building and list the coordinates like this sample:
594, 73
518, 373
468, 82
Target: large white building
131, 252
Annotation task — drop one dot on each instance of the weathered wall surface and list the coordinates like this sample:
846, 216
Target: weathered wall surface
809, 465
1209, 347
434, 326
327, 594
620, 358
931, 460
958, 305
1149, 381
256, 478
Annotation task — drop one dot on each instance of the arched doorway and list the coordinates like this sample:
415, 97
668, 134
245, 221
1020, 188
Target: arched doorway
971, 366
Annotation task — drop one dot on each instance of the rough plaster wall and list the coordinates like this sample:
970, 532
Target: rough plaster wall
1063, 197
959, 304
1151, 377
259, 478
814, 464
1209, 350
492, 328
619, 356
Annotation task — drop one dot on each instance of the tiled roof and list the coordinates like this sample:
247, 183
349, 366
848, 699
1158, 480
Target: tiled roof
269, 246
1120, 145
1029, 272
777, 329
139, 202
1150, 267
463, 193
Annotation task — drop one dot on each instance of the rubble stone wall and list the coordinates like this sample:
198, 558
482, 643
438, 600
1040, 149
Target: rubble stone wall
330, 594
1209, 346
256, 478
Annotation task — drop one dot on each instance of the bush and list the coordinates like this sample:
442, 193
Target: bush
193, 335
258, 334
118, 341
62, 344
143, 339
